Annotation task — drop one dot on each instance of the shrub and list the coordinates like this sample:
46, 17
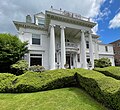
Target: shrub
11, 50
105, 89
34, 81
103, 62
37, 68
19, 67
111, 71
7, 82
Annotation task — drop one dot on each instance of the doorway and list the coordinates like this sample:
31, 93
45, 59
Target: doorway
69, 60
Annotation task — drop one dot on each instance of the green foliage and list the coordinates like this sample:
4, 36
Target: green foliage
19, 67
105, 89
34, 81
37, 68
111, 71
103, 62
11, 50
7, 82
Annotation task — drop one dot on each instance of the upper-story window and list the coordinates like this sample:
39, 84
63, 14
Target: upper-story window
41, 21
118, 44
87, 44
106, 48
36, 39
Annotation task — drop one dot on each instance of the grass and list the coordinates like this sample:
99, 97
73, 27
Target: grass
59, 99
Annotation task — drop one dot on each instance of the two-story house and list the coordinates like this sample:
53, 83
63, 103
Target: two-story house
59, 37
116, 48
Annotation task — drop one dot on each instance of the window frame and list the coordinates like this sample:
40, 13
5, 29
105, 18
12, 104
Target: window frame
40, 39
36, 55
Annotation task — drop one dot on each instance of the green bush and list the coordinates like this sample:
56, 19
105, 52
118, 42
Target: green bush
111, 71
37, 68
105, 89
11, 50
19, 67
35, 81
7, 82
103, 62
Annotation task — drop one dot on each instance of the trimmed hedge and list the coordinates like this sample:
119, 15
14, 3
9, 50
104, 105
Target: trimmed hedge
110, 71
35, 81
7, 82
105, 89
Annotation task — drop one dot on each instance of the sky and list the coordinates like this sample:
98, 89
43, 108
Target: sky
106, 14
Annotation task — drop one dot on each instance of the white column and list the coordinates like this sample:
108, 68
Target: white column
91, 50
63, 52
83, 60
52, 49
76, 59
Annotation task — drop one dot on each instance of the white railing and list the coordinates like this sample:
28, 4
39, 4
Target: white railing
69, 45
69, 14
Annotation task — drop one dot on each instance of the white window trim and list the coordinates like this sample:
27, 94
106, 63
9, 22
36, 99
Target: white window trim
40, 40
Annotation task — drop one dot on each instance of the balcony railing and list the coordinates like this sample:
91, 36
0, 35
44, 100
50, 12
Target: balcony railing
69, 14
69, 45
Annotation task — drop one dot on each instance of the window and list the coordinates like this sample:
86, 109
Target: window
55, 57
35, 59
41, 21
106, 48
36, 39
118, 44
87, 44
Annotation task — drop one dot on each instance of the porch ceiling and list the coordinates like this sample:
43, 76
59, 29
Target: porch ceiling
69, 32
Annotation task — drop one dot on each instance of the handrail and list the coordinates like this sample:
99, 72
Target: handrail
69, 14
69, 44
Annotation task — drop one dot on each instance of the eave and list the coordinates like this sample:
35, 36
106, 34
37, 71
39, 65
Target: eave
28, 25
55, 16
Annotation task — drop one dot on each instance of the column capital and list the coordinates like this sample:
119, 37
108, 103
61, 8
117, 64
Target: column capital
82, 31
89, 32
52, 25
62, 27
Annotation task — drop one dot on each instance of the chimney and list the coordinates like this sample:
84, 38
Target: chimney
28, 19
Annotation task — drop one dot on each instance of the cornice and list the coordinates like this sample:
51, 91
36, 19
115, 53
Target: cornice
60, 17
28, 25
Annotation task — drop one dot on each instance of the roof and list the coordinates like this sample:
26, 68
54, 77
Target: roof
28, 25
115, 41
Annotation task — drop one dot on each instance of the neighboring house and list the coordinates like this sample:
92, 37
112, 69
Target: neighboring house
60, 37
116, 48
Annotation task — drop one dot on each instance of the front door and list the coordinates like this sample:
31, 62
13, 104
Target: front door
68, 60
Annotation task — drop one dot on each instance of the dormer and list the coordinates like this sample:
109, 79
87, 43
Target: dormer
39, 19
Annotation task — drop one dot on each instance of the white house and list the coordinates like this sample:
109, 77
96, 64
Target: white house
60, 37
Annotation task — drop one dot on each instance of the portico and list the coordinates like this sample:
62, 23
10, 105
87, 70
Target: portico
67, 51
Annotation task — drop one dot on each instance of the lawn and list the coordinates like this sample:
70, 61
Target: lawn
58, 99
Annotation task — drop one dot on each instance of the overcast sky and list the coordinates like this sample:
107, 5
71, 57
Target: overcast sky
96, 9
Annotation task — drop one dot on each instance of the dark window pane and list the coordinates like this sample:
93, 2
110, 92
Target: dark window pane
35, 54
35, 61
35, 41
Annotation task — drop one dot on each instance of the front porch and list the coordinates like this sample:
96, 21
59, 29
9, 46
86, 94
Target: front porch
68, 47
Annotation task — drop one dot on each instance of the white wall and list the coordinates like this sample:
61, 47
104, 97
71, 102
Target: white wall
104, 54
26, 35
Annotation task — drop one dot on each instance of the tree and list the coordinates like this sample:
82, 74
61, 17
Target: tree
103, 62
11, 50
